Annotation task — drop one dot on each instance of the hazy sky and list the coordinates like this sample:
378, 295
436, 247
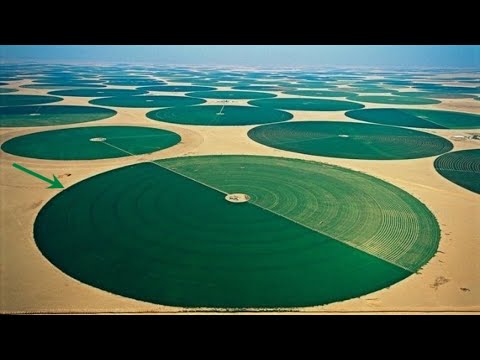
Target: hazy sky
253, 55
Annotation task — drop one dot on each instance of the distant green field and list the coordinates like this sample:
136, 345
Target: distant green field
96, 92
319, 93
350, 140
398, 100
311, 234
7, 90
147, 101
177, 88
231, 94
306, 104
419, 118
461, 167
219, 115
18, 100
49, 115
75, 144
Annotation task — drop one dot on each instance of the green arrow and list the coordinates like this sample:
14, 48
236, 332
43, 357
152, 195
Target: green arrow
54, 184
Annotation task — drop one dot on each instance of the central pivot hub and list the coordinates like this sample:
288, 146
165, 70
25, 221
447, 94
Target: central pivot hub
237, 198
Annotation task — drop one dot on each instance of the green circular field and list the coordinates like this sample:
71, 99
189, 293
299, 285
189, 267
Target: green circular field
177, 88
372, 90
77, 144
67, 82
219, 115
7, 90
397, 100
319, 93
419, 118
231, 94
436, 95
163, 232
49, 115
461, 167
56, 86
97, 92
260, 87
135, 82
146, 101
350, 140
307, 104
18, 100
315, 85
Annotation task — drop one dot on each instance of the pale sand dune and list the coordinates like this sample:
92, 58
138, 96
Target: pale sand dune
29, 283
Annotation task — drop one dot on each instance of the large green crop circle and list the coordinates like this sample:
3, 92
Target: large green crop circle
461, 167
147, 101
419, 118
98, 92
177, 88
219, 115
318, 93
7, 90
49, 115
397, 100
311, 233
19, 100
231, 94
350, 140
306, 104
90, 143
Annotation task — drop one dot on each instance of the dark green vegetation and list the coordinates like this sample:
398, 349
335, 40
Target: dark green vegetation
260, 87
177, 88
398, 100
18, 100
57, 86
307, 104
461, 167
372, 90
219, 115
75, 143
7, 90
44, 115
319, 93
437, 88
350, 140
315, 85
231, 94
419, 118
172, 240
135, 82
97, 92
436, 95
147, 101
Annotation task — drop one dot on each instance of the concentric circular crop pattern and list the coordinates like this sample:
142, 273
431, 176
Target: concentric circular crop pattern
18, 100
231, 94
461, 167
163, 232
219, 115
77, 143
145, 101
44, 115
306, 104
399, 100
350, 140
419, 118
